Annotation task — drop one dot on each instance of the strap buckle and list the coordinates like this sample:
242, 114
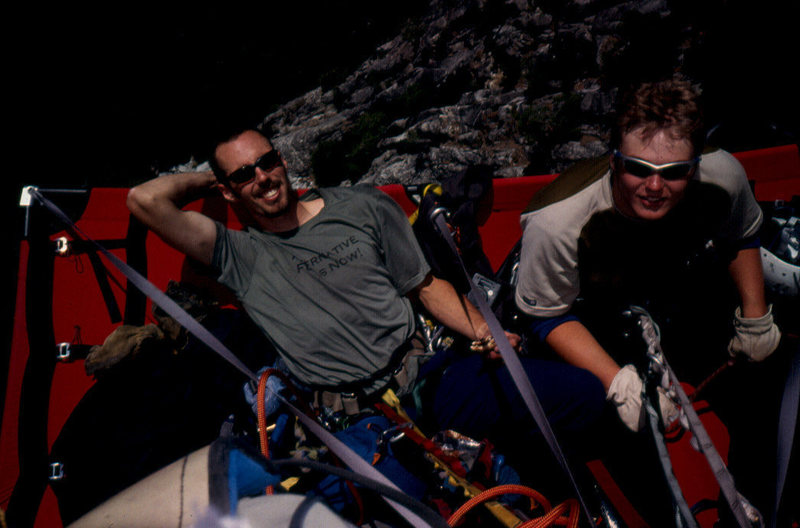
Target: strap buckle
56, 471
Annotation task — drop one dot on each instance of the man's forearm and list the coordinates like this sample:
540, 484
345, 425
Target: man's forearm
748, 276
452, 309
577, 346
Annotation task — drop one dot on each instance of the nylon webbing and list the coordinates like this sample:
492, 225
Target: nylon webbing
149, 289
337, 447
684, 516
704, 443
786, 426
512, 362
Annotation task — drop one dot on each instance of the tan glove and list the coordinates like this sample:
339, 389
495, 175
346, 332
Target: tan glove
625, 393
124, 341
756, 337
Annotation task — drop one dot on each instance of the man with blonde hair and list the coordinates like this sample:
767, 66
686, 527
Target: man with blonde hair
661, 224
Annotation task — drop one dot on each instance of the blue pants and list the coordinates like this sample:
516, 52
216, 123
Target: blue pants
477, 397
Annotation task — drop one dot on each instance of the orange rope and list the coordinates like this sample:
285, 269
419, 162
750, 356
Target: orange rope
262, 419
556, 516
552, 516
261, 412
262, 426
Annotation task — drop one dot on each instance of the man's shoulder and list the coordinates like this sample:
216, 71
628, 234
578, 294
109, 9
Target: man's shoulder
570, 183
719, 167
572, 198
363, 193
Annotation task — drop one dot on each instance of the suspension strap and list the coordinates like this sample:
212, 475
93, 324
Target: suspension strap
660, 367
511, 360
683, 514
786, 426
337, 447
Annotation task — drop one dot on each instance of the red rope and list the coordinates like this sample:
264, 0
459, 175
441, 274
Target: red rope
428, 445
729, 363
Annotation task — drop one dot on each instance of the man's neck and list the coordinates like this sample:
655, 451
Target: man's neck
299, 213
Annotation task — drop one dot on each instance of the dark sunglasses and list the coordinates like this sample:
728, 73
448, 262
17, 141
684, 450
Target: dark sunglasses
267, 162
676, 170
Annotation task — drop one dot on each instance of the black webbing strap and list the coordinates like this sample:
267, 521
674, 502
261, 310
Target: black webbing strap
100, 274
704, 443
786, 426
337, 447
149, 289
512, 362
683, 514
37, 381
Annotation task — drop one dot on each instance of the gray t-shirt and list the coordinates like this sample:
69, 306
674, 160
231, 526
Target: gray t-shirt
330, 295
571, 207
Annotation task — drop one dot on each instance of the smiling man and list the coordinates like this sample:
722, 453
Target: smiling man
640, 227
329, 277
332, 278
659, 224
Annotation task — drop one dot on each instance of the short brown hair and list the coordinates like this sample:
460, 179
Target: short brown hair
229, 135
660, 105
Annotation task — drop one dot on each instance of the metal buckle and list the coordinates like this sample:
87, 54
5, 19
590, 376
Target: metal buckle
64, 353
63, 248
56, 471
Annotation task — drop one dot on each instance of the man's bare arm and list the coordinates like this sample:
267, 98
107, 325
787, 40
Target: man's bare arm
157, 203
756, 336
455, 311
577, 346
748, 276
451, 309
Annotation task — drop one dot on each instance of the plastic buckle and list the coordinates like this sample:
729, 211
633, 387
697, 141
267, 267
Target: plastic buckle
63, 248
56, 471
350, 403
486, 285
64, 353
25, 197
439, 211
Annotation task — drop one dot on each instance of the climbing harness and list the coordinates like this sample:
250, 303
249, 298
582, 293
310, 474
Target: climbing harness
661, 374
511, 360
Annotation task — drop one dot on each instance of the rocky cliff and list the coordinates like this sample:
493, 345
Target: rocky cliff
523, 86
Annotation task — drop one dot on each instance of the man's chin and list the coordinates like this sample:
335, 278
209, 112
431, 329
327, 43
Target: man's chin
276, 212
650, 213
651, 209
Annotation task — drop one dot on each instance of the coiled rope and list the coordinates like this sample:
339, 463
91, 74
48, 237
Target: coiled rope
564, 514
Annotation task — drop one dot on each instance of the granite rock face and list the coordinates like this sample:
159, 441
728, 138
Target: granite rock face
522, 86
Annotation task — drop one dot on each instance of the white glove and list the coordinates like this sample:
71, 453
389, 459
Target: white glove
755, 338
625, 393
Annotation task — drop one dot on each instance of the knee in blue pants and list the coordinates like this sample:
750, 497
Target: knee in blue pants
477, 397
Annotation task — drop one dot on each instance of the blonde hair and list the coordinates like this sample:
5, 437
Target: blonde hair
654, 106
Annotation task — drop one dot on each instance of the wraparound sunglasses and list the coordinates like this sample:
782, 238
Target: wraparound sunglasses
676, 170
267, 162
